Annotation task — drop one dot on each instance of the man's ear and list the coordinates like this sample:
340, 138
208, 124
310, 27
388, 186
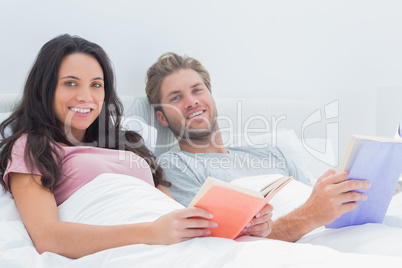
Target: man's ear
162, 119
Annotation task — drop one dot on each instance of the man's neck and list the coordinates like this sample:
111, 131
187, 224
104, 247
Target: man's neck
206, 145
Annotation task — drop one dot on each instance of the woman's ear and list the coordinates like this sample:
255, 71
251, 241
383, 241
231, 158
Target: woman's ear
162, 119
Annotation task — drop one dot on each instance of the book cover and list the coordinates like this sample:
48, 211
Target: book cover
355, 142
233, 206
379, 162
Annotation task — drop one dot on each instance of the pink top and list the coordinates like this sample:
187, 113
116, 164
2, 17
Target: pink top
81, 164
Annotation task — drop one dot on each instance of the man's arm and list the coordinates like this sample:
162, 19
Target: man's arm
332, 196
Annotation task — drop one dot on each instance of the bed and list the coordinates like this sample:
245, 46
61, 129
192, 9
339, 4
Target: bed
366, 245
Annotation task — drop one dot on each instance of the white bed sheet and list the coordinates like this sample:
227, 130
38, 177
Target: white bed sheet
96, 203
383, 239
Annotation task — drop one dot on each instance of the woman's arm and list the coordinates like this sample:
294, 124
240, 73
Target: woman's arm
164, 190
37, 207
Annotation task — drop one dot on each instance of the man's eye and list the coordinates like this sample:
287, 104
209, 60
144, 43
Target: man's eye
175, 98
70, 83
197, 90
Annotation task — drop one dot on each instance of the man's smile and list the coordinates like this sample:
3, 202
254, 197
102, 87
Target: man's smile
195, 114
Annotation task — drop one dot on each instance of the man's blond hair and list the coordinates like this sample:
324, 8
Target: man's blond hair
167, 64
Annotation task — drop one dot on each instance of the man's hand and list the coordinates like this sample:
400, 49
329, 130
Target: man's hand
333, 196
261, 224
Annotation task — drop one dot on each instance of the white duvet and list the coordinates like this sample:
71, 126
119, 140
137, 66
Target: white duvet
116, 199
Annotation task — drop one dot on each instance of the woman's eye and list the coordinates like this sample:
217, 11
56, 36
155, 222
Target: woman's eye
70, 84
197, 90
96, 85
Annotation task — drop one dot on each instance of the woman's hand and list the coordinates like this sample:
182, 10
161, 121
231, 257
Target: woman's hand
181, 225
261, 224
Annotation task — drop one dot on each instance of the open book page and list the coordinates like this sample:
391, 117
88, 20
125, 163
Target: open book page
256, 183
292, 196
273, 183
209, 182
272, 188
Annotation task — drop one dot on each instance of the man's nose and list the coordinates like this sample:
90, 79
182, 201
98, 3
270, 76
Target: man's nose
191, 101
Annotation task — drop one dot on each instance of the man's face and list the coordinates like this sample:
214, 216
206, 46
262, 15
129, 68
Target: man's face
188, 107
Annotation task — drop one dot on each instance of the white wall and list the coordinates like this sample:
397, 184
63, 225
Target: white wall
331, 50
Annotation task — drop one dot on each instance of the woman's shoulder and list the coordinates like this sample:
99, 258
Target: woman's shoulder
21, 141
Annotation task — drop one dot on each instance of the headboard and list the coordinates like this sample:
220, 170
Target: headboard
235, 116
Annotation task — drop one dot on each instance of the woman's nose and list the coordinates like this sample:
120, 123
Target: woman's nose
84, 94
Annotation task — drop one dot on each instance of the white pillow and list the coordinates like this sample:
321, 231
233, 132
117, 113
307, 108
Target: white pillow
4, 116
292, 148
148, 133
7, 204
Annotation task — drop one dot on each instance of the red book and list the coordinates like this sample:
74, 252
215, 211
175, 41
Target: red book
234, 206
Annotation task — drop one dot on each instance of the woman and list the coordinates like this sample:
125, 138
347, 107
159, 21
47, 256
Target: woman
65, 131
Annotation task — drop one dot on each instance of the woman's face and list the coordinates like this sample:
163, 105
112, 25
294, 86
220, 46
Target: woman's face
79, 94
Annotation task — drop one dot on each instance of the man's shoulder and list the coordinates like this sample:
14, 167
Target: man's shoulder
255, 150
175, 159
171, 155
174, 155
180, 168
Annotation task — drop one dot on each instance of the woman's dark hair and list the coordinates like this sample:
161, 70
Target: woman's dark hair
35, 117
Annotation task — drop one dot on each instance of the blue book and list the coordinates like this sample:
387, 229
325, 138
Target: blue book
380, 162
398, 134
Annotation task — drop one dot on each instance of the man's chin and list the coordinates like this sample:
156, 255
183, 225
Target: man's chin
193, 134
195, 131
197, 136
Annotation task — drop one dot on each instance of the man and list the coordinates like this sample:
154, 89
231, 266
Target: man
180, 90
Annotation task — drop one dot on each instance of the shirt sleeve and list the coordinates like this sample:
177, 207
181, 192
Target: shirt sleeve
294, 171
185, 182
17, 163
297, 173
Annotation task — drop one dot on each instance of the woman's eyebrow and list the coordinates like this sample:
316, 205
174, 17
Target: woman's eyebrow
70, 76
76, 78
